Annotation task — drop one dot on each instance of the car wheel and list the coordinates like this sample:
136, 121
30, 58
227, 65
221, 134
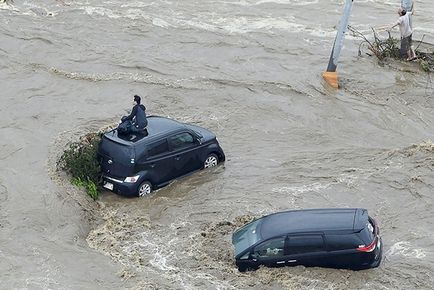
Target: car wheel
144, 189
242, 268
245, 268
211, 161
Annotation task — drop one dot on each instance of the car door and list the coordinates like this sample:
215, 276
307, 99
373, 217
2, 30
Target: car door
185, 156
157, 162
270, 253
342, 249
307, 250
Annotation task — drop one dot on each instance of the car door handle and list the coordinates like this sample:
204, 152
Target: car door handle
152, 165
177, 158
292, 261
280, 262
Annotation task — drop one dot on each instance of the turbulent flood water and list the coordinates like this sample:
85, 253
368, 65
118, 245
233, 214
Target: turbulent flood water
248, 70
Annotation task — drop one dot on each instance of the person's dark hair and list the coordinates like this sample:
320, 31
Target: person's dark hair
137, 99
403, 12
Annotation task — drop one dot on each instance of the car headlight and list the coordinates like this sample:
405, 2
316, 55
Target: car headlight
131, 179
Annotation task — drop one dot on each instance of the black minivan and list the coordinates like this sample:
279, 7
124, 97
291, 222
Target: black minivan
133, 165
335, 238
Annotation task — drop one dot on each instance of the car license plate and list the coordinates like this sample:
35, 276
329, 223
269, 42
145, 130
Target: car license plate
108, 185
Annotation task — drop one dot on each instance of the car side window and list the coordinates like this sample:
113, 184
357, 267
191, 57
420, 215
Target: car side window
158, 148
305, 244
182, 140
271, 248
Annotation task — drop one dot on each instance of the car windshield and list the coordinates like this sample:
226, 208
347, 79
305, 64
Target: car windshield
246, 237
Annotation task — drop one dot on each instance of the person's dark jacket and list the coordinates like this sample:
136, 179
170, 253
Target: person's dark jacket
138, 116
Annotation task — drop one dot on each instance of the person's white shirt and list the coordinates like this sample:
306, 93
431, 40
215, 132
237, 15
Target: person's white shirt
404, 25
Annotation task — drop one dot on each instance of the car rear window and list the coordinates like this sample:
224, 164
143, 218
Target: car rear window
116, 151
367, 234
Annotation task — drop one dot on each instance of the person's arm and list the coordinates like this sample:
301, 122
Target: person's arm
395, 24
133, 113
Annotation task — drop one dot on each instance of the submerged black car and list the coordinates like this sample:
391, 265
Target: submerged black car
336, 238
133, 165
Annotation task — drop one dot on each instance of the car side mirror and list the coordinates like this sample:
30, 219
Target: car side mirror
198, 141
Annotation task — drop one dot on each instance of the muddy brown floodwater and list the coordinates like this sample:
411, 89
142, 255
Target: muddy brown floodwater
249, 71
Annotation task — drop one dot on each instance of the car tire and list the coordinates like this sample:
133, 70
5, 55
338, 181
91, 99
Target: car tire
144, 189
243, 269
211, 161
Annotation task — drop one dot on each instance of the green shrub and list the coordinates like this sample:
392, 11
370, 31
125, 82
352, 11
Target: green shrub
80, 160
89, 185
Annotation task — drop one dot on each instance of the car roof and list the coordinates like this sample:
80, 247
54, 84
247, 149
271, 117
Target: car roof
157, 126
311, 220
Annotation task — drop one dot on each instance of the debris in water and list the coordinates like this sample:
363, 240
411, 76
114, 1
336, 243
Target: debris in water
389, 48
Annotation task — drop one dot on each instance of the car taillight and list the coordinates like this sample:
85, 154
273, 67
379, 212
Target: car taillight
369, 248
132, 179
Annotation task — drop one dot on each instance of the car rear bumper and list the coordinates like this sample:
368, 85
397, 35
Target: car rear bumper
119, 186
378, 254
222, 156
372, 259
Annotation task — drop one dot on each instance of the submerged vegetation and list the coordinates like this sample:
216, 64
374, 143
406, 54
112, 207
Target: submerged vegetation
80, 161
389, 47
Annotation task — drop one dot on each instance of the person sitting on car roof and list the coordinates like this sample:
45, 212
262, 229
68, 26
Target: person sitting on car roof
136, 121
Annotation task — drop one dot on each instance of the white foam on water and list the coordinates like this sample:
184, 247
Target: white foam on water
136, 4
232, 25
135, 14
290, 2
160, 22
405, 249
101, 12
346, 178
295, 191
211, 279
301, 189
181, 224
5, 6
198, 24
160, 261
243, 25
260, 2
41, 282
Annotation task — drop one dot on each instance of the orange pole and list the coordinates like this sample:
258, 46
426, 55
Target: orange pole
331, 77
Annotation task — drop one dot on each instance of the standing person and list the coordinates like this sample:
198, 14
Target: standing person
136, 121
406, 33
